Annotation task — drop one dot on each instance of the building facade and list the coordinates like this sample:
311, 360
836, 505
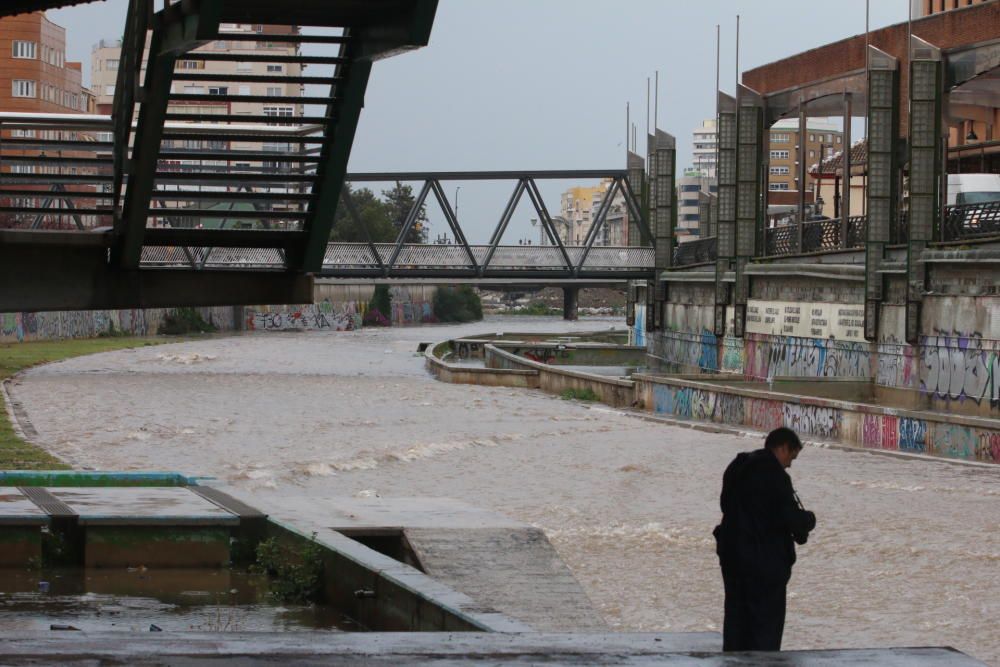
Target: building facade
34, 74
579, 206
704, 148
689, 189
35, 77
922, 8
822, 139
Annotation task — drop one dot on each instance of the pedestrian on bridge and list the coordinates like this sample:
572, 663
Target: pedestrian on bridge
761, 518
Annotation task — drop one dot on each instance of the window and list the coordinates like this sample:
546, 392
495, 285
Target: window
190, 64
779, 155
194, 90
22, 88
690, 188
812, 154
275, 68
218, 90
274, 91
111, 65
777, 186
109, 90
829, 138
780, 137
24, 49
812, 137
244, 90
244, 67
22, 168
26, 134
779, 171
839, 139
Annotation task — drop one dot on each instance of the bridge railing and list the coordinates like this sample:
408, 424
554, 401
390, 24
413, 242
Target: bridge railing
358, 257
817, 236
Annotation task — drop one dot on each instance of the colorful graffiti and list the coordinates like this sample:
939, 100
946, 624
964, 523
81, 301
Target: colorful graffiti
897, 364
867, 429
690, 351
20, 327
638, 331
960, 367
325, 315
768, 357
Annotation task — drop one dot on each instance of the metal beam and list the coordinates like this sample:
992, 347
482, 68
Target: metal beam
411, 218
546, 220
452, 219
352, 210
539, 175
501, 227
347, 100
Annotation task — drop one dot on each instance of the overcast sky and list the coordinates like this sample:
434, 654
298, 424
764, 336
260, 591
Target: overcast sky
542, 84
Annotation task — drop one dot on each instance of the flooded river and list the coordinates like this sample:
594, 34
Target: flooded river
906, 552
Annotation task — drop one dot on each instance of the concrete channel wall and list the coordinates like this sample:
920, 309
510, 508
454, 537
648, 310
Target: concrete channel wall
556, 380
866, 425
464, 374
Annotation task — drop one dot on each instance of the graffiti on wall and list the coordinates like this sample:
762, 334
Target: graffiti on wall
869, 430
638, 330
960, 367
768, 357
20, 327
897, 364
342, 316
693, 351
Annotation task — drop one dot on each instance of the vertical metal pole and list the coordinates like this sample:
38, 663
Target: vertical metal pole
845, 181
656, 101
803, 136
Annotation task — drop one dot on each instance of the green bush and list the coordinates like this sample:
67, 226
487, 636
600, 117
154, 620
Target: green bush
537, 308
184, 321
587, 394
460, 304
296, 571
379, 308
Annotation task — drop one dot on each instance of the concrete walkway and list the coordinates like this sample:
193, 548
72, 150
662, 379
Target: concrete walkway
438, 649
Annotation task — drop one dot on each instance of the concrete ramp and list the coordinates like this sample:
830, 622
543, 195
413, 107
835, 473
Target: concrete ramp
500, 563
513, 569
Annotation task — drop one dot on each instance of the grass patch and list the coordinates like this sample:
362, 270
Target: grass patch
580, 395
15, 453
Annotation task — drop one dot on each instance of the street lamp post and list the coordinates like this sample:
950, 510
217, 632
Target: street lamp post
457, 188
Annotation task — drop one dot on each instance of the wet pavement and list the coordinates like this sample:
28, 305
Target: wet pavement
906, 552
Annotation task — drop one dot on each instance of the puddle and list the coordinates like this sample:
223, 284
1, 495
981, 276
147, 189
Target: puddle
140, 600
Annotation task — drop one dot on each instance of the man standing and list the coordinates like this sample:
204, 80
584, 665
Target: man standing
761, 517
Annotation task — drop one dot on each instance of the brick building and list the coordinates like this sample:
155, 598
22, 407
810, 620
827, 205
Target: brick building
36, 78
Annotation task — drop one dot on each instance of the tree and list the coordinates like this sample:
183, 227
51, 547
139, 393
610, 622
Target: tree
399, 201
373, 212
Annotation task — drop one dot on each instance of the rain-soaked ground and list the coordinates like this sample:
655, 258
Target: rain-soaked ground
906, 552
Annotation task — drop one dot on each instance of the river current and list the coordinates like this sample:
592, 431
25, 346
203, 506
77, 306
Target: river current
906, 552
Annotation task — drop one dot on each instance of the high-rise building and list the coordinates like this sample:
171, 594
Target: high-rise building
927, 7
689, 189
106, 55
704, 148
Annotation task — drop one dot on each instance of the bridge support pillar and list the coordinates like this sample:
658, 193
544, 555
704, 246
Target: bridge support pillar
571, 300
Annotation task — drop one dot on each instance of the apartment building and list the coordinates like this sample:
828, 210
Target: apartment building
578, 208
822, 139
704, 148
689, 188
35, 77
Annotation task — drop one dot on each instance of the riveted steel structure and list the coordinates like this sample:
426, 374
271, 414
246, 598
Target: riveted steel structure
750, 176
883, 178
726, 226
662, 161
926, 159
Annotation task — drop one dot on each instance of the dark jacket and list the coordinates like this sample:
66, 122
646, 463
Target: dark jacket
760, 518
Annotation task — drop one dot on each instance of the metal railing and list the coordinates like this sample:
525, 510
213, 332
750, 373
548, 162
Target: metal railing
817, 236
416, 259
970, 221
701, 251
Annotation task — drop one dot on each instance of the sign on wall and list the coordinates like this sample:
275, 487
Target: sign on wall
805, 319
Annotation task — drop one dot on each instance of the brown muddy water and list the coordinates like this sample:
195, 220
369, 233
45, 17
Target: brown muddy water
906, 552
140, 599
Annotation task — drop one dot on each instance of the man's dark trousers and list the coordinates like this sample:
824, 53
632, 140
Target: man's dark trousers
755, 613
